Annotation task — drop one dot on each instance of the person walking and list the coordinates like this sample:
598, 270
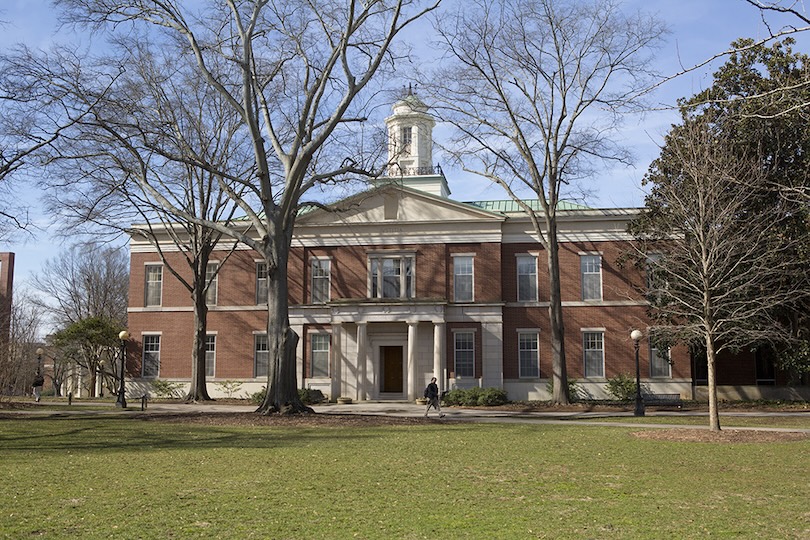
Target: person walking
39, 382
432, 396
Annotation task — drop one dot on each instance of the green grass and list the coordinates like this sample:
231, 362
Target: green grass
90, 477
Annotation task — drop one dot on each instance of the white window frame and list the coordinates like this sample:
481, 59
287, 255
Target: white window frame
532, 284
325, 354
210, 355
407, 274
260, 339
465, 263
261, 283
590, 273
590, 336
324, 278
525, 354
152, 285
469, 365
406, 139
151, 346
212, 279
662, 360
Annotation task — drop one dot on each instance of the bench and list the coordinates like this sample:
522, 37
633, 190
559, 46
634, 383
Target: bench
663, 400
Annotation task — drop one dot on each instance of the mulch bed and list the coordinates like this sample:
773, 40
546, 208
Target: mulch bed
722, 436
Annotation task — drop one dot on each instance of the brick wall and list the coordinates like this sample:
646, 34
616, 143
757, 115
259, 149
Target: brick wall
495, 281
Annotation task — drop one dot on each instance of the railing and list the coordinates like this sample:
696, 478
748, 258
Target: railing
396, 170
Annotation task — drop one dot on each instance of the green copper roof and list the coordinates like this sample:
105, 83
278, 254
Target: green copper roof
510, 206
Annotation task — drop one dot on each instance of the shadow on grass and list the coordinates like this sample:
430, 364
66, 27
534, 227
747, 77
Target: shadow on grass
65, 432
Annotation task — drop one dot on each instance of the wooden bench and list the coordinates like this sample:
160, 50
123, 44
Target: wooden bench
673, 400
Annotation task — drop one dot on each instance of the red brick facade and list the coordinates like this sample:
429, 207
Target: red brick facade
495, 318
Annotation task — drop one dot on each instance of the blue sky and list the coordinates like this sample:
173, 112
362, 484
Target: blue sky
698, 30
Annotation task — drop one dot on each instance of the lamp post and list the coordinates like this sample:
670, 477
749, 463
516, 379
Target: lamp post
40, 351
636, 335
122, 400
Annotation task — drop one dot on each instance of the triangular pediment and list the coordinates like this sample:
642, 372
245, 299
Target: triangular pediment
395, 204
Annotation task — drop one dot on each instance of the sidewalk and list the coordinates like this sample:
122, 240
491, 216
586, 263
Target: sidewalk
404, 409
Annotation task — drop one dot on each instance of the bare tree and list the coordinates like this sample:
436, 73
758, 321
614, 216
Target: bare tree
30, 120
180, 120
292, 73
86, 280
18, 355
534, 89
715, 256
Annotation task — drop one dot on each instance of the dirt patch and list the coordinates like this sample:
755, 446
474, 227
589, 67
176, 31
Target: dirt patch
722, 436
296, 420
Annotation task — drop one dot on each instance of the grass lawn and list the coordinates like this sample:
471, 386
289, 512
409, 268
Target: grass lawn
92, 477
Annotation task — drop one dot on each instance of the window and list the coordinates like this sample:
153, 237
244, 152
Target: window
463, 278
659, 362
528, 355
319, 355
527, 278
154, 285
464, 358
391, 277
150, 366
406, 138
211, 272
261, 355
593, 345
210, 355
653, 260
321, 280
591, 269
261, 283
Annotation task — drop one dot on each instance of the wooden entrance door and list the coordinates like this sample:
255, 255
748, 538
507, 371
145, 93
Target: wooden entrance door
391, 368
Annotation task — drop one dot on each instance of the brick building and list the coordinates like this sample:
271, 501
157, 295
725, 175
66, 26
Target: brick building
407, 283
6, 293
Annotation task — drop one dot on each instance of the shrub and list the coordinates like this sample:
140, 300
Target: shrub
309, 396
492, 397
230, 387
258, 397
166, 389
622, 387
475, 397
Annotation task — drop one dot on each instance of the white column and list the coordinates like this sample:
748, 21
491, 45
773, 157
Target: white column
438, 354
362, 363
410, 383
299, 354
337, 361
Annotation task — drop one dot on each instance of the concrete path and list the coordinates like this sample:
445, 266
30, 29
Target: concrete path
403, 409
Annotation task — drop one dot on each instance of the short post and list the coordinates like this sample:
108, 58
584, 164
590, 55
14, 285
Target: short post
636, 335
122, 400
70, 398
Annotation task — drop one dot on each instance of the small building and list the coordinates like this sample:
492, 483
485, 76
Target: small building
6, 294
401, 283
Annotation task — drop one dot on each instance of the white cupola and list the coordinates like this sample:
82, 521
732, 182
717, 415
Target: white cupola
410, 146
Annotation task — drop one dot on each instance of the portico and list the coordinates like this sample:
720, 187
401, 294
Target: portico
384, 351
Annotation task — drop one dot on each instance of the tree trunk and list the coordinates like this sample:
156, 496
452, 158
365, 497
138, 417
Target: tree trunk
282, 389
714, 413
198, 390
93, 369
559, 374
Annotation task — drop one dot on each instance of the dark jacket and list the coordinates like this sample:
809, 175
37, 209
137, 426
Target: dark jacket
432, 391
39, 380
